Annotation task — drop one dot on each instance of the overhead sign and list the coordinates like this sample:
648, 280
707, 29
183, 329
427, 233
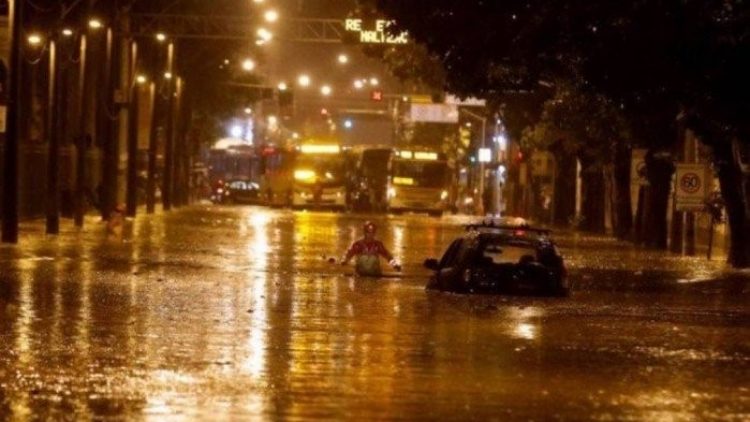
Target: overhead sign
434, 113
469, 102
690, 187
375, 33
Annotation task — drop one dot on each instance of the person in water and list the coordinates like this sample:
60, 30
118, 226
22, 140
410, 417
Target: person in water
367, 252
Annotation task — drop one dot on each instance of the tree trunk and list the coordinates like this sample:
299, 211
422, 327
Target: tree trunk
593, 192
623, 215
660, 172
565, 189
736, 194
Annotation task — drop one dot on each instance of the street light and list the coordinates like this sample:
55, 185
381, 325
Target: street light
265, 34
343, 59
326, 90
161, 37
248, 65
358, 84
258, 1
282, 86
374, 81
67, 32
271, 16
95, 24
140, 79
167, 75
304, 80
34, 39
248, 110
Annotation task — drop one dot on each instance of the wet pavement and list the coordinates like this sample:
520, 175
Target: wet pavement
235, 314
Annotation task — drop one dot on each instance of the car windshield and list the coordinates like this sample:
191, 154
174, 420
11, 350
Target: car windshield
504, 252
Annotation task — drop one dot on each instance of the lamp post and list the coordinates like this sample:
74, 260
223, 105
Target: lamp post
169, 141
131, 202
10, 152
53, 150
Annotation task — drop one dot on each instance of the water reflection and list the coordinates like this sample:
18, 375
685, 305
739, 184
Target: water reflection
231, 313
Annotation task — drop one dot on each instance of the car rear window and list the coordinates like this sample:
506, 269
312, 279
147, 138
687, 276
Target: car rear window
502, 253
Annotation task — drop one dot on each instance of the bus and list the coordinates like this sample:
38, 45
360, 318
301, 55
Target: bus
420, 181
320, 177
230, 160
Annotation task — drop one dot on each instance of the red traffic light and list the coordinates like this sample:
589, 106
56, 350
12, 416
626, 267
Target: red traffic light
377, 95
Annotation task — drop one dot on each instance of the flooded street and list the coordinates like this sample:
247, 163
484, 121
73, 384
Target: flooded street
236, 314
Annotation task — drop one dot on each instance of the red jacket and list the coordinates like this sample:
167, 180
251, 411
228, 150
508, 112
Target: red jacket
368, 247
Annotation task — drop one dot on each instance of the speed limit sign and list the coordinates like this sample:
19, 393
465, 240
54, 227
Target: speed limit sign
690, 187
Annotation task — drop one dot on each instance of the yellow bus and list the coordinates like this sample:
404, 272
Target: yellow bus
420, 182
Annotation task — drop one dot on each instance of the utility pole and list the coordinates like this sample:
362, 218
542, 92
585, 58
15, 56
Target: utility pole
10, 155
82, 138
53, 151
132, 170
152, 151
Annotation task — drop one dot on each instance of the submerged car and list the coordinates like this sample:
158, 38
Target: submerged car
237, 192
504, 259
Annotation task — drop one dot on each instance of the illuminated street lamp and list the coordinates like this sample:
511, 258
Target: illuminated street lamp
167, 75
95, 24
374, 81
248, 65
67, 32
343, 59
282, 86
34, 39
326, 90
161, 37
304, 80
265, 34
358, 84
248, 110
140, 79
271, 16
258, 1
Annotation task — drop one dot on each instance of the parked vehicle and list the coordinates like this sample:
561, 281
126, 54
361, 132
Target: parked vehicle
500, 258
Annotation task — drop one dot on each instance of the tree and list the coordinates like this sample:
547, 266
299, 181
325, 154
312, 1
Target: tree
652, 58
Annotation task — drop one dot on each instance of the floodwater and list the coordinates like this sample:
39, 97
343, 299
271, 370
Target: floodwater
235, 314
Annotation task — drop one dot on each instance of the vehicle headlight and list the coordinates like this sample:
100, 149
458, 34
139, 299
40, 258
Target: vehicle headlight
444, 195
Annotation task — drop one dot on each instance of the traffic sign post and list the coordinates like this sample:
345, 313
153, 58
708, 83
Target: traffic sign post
691, 187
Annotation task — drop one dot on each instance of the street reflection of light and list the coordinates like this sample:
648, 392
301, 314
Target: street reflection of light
522, 322
398, 242
525, 331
